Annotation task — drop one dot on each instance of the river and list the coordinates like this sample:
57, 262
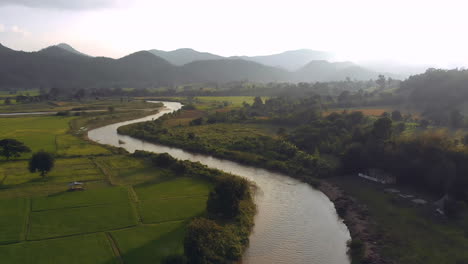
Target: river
295, 223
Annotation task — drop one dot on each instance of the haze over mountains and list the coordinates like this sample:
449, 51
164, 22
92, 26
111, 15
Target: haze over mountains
63, 66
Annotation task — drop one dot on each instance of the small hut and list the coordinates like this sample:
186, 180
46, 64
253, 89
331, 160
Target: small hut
76, 186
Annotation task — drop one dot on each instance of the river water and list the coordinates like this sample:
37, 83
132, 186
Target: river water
295, 223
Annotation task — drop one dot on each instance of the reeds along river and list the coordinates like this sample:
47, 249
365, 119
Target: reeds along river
295, 223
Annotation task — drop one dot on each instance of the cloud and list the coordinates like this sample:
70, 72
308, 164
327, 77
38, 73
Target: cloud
2, 28
61, 4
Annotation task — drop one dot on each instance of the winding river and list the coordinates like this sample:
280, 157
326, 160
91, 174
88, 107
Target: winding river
295, 223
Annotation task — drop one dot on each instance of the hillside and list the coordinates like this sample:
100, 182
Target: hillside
70, 49
62, 66
322, 71
290, 60
233, 70
180, 57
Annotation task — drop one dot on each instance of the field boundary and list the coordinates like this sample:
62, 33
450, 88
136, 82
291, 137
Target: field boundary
132, 196
28, 220
115, 247
104, 171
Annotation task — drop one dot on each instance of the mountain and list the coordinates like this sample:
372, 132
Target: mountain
290, 60
58, 67
183, 56
323, 71
227, 70
69, 48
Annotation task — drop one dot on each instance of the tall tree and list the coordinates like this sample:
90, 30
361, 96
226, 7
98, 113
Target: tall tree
382, 128
42, 162
381, 81
12, 148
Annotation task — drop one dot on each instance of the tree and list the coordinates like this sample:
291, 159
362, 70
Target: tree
228, 192
258, 103
382, 128
42, 162
12, 148
381, 82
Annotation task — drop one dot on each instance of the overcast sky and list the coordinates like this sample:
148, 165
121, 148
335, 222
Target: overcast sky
416, 31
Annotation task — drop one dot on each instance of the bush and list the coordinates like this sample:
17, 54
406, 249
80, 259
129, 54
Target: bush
356, 250
63, 113
225, 198
207, 242
163, 160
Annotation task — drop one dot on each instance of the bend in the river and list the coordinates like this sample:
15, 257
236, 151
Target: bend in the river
295, 223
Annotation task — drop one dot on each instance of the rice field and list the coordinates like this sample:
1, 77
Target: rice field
140, 218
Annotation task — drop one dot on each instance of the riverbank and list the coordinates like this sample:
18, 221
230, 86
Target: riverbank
356, 217
283, 205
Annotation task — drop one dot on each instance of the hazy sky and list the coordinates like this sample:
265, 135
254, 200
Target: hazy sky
417, 31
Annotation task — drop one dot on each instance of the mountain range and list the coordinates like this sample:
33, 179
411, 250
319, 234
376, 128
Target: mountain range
63, 66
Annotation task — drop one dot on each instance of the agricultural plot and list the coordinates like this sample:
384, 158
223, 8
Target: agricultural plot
80, 220
129, 171
90, 249
65, 170
150, 243
101, 196
35, 132
176, 199
69, 145
13, 213
172, 209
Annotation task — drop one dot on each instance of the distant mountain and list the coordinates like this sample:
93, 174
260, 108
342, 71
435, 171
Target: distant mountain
58, 67
290, 60
233, 70
180, 57
323, 71
395, 67
69, 48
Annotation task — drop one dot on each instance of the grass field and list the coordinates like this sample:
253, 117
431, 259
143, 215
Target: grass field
48, 133
80, 220
150, 243
90, 249
65, 170
13, 220
129, 210
143, 217
413, 237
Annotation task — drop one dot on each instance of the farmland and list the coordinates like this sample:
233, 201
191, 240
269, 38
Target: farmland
146, 206
129, 211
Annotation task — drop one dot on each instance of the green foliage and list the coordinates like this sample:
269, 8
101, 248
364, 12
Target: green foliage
12, 148
207, 242
225, 199
382, 129
42, 162
356, 251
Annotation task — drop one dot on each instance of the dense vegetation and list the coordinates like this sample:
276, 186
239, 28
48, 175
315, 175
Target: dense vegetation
423, 159
222, 235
